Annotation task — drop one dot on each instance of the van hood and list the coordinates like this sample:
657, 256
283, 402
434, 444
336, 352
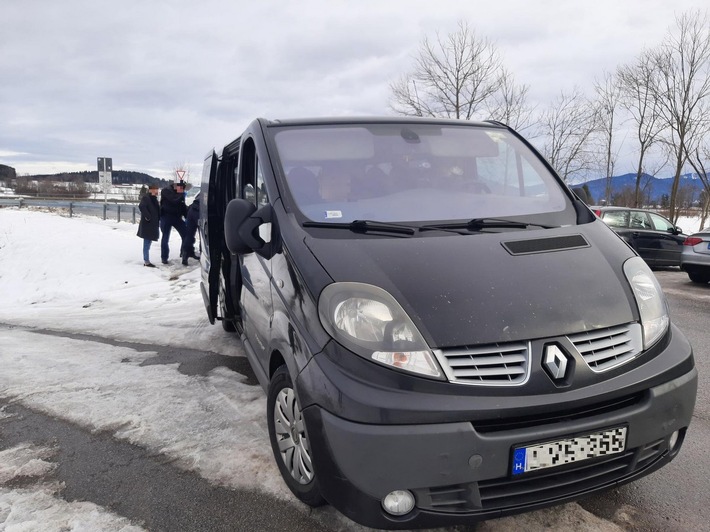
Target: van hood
492, 287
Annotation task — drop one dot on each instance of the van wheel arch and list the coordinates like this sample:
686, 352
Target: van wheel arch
277, 360
289, 440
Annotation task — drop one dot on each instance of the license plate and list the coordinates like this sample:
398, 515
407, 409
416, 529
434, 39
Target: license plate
561, 452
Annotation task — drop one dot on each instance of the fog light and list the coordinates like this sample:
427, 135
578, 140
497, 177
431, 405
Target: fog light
398, 502
673, 440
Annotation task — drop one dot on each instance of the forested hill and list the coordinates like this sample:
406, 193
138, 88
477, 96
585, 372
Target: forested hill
119, 177
653, 189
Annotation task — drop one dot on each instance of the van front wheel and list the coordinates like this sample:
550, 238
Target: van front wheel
289, 440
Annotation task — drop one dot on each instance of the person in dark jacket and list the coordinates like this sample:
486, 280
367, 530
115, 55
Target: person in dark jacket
149, 226
188, 243
172, 212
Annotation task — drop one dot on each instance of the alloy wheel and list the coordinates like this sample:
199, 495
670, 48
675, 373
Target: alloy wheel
291, 436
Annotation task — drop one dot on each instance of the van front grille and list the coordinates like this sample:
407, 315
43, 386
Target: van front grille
491, 365
604, 349
509, 364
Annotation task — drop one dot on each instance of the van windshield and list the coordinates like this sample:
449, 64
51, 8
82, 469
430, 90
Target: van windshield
413, 172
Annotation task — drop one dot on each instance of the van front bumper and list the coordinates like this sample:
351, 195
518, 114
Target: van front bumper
461, 472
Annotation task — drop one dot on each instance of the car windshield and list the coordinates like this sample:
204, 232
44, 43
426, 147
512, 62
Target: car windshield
413, 172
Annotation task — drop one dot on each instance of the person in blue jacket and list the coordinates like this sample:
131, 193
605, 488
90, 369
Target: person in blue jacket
172, 213
149, 225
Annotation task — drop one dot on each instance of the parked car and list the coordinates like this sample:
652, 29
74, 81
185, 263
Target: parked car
654, 237
414, 297
695, 258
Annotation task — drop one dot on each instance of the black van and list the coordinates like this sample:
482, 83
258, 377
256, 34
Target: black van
445, 332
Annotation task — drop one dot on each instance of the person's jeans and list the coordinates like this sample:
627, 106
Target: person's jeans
146, 249
167, 222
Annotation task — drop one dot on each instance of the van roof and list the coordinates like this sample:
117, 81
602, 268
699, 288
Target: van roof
375, 120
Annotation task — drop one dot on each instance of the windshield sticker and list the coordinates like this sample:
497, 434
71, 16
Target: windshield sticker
333, 214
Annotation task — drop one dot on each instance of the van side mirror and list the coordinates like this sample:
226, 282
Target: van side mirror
242, 221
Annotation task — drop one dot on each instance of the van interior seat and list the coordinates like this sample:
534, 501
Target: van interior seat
370, 184
304, 186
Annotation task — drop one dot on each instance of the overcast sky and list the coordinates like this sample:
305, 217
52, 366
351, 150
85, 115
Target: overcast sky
156, 84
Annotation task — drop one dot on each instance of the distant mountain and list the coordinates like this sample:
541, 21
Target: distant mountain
653, 188
119, 177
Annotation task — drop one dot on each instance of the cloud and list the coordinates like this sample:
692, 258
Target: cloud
155, 82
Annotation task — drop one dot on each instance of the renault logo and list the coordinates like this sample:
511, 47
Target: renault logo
555, 362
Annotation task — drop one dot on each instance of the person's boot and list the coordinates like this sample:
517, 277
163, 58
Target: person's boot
184, 259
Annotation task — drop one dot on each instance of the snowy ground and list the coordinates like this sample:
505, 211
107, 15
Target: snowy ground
86, 275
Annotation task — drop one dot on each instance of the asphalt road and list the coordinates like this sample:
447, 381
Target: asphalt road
153, 493
677, 497
144, 488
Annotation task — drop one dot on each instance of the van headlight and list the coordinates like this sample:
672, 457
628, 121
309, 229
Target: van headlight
650, 300
368, 321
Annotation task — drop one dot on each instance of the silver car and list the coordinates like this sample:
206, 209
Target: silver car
695, 257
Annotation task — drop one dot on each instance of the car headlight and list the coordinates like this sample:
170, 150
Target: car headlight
368, 321
651, 302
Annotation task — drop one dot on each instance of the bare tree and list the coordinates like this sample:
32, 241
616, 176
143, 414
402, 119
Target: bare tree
636, 83
608, 95
682, 64
700, 161
452, 77
704, 207
509, 104
567, 126
181, 168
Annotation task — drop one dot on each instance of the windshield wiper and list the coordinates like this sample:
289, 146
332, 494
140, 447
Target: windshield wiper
478, 224
366, 226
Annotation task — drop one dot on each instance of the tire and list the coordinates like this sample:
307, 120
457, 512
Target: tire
701, 277
289, 441
224, 306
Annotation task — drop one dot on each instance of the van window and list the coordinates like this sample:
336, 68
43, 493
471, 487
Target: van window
248, 172
417, 172
509, 173
262, 197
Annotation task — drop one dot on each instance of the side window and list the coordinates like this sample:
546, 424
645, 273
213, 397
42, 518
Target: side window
616, 218
248, 172
253, 184
262, 197
639, 220
660, 223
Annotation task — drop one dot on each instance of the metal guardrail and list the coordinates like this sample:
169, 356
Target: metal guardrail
129, 211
